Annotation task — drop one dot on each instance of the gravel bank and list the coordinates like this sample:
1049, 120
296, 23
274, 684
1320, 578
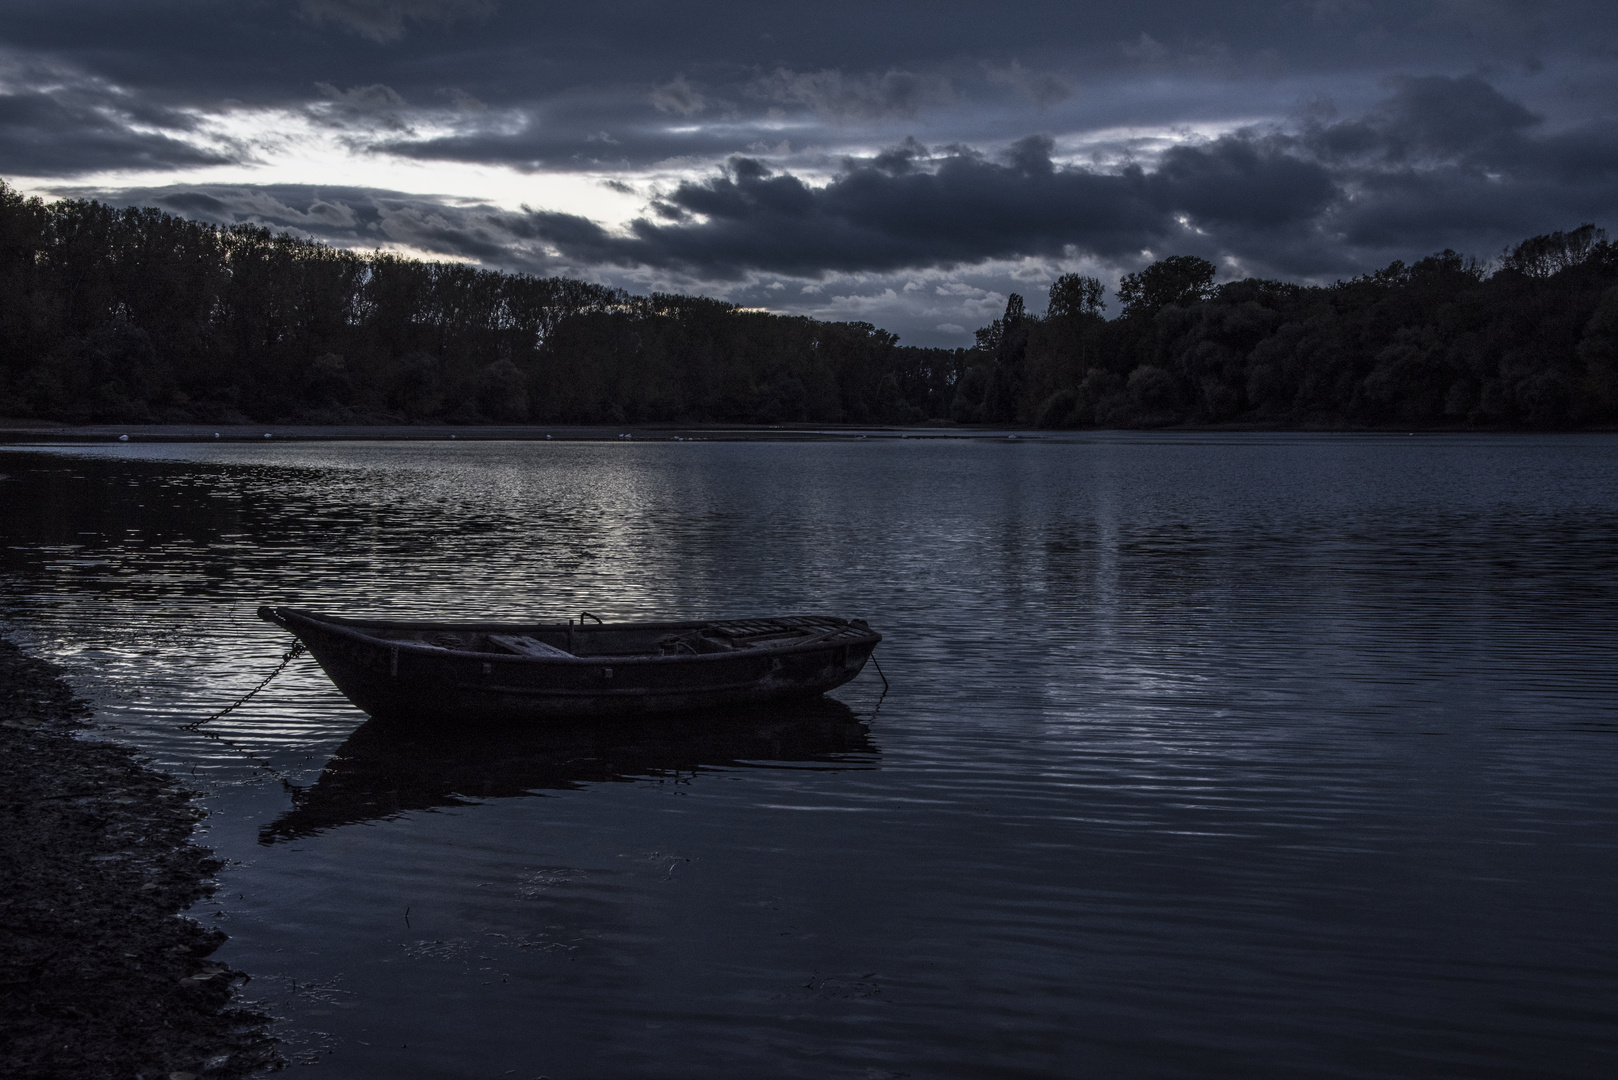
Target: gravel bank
100, 976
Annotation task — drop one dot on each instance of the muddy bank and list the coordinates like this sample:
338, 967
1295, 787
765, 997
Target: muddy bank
98, 975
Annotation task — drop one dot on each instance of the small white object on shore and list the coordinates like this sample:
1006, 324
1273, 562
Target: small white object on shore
123, 438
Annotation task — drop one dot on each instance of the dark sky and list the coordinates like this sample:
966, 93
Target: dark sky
904, 163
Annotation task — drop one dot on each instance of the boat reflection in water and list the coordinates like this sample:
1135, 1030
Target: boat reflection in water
388, 768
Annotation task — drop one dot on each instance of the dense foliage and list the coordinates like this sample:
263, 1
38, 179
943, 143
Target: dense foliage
1438, 344
132, 315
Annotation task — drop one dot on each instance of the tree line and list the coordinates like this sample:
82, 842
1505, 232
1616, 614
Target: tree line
1442, 343
133, 315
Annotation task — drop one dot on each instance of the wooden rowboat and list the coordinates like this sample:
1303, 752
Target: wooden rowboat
513, 672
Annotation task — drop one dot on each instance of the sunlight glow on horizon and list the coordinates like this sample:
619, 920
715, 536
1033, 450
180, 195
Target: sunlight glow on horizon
319, 146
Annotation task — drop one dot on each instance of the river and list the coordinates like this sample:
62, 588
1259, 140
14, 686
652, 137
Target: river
1242, 755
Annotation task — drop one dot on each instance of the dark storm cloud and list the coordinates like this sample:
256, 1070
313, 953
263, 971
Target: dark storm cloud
585, 138
374, 107
70, 126
634, 82
906, 208
1466, 146
1241, 181
341, 215
1432, 117
361, 218
1439, 163
274, 50
1442, 162
1455, 116
1453, 162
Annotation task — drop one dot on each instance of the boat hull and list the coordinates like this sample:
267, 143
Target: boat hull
395, 679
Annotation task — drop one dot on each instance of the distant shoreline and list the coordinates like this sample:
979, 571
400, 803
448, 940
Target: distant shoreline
42, 431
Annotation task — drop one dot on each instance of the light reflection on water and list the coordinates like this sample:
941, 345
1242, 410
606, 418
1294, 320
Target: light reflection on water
1267, 756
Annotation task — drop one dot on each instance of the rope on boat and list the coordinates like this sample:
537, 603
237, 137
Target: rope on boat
292, 654
882, 696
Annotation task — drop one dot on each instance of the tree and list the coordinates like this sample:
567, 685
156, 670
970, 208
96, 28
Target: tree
1074, 296
1542, 256
1178, 279
1006, 339
989, 337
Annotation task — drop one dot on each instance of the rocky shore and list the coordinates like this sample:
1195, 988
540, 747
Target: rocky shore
101, 975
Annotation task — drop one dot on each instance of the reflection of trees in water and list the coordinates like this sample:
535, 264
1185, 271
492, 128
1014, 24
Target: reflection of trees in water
136, 528
387, 769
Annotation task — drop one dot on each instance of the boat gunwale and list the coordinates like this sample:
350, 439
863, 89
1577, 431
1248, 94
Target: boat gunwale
352, 628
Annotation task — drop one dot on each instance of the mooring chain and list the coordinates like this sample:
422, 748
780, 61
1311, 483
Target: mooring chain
292, 654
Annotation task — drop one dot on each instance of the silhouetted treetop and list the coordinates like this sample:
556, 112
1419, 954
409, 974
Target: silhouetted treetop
1072, 295
1178, 279
1544, 256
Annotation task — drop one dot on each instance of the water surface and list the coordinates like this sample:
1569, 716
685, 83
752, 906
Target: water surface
1205, 755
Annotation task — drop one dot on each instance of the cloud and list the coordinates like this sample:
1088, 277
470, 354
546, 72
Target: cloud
43, 135
384, 20
1244, 181
1431, 117
908, 207
476, 235
1145, 49
1452, 162
363, 219
1442, 162
371, 107
861, 96
567, 141
464, 101
341, 216
1042, 89
56, 121
678, 96
1455, 116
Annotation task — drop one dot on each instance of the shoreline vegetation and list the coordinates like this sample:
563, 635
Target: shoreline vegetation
101, 974
137, 317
